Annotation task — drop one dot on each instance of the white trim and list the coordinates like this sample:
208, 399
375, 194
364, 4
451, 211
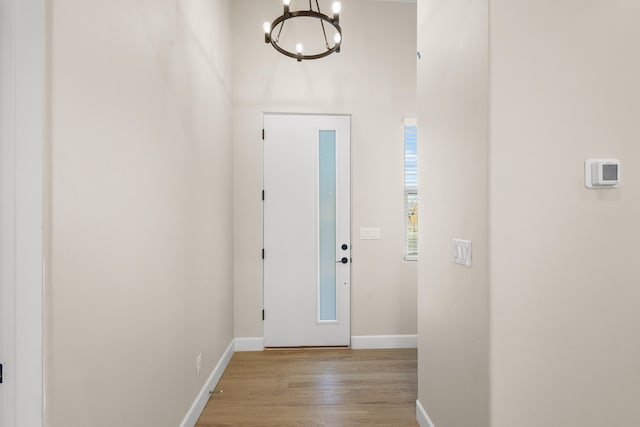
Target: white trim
357, 342
383, 341
21, 249
422, 417
249, 344
191, 418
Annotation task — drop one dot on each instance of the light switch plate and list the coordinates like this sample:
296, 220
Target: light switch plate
369, 233
461, 252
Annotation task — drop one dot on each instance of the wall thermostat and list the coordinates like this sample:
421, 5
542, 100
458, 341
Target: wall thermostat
602, 173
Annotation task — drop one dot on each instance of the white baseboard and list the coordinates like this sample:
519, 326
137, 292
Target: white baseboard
249, 344
198, 405
383, 341
422, 417
357, 342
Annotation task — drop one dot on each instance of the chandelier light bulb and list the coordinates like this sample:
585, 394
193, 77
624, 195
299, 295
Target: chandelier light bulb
299, 48
336, 7
266, 27
286, 2
337, 38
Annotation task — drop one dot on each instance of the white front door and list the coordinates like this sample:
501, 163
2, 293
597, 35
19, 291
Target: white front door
307, 230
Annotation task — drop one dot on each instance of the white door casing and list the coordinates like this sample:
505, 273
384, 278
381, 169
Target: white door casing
22, 79
295, 231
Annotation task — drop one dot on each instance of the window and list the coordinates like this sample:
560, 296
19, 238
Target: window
411, 188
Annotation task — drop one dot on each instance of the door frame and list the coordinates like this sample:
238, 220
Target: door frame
22, 79
350, 207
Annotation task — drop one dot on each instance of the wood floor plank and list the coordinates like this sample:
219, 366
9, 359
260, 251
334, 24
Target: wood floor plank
329, 387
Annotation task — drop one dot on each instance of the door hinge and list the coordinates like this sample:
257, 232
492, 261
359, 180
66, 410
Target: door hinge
262, 314
263, 253
263, 195
1, 364
263, 134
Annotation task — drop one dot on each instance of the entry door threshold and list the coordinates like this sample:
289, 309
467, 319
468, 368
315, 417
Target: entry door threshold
310, 347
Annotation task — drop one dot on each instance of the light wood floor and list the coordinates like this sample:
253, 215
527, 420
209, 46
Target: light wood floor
316, 388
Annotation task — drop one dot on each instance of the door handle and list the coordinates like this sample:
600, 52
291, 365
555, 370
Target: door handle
344, 260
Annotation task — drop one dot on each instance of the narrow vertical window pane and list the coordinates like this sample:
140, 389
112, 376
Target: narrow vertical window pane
411, 190
327, 224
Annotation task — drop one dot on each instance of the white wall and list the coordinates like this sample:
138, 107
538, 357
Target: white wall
565, 281
140, 257
453, 322
562, 282
373, 78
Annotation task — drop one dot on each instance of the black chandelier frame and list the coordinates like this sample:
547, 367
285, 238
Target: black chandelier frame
288, 14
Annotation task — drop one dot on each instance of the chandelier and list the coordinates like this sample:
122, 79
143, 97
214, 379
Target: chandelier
325, 21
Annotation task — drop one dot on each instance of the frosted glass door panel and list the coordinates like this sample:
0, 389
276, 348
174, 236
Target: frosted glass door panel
327, 224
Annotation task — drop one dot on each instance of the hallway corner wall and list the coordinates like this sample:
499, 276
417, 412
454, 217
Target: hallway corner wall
139, 279
453, 149
514, 96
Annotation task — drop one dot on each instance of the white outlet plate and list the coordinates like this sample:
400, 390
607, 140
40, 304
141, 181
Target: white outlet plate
461, 252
